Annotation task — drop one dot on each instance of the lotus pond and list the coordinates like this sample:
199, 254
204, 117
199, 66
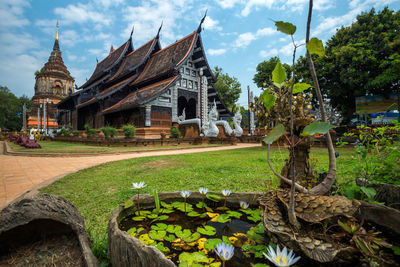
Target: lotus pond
188, 232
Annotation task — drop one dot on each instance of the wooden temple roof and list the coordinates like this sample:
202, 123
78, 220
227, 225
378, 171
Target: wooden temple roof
143, 95
103, 66
165, 61
134, 59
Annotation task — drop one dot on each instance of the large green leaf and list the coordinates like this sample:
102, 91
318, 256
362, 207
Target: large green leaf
317, 127
269, 100
315, 46
279, 75
207, 230
274, 134
285, 27
300, 87
157, 235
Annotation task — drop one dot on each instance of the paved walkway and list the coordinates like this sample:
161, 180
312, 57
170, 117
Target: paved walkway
20, 174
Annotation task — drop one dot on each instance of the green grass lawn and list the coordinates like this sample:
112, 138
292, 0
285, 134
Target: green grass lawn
98, 190
56, 147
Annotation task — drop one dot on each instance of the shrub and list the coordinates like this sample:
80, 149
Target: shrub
91, 132
108, 131
87, 128
174, 132
63, 131
129, 130
75, 133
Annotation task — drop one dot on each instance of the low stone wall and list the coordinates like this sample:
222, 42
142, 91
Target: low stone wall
98, 141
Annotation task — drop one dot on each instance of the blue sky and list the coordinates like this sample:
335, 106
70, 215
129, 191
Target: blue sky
237, 34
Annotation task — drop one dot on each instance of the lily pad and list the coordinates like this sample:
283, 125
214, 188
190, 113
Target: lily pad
157, 235
207, 230
138, 218
193, 237
195, 257
183, 234
235, 214
167, 211
160, 246
159, 226
211, 243
213, 197
143, 213
132, 232
146, 239
193, 214
152, 216
223, 218
169, 237
160, 218
173, 228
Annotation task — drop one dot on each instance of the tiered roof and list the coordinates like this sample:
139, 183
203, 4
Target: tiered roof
145, 73
106, 64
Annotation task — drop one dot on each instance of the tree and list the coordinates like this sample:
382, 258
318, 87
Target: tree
228, 88
11, 109
264, 70
360, 59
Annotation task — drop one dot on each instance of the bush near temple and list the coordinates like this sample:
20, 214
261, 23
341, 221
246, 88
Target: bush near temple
108, 131
129, 130
174, 132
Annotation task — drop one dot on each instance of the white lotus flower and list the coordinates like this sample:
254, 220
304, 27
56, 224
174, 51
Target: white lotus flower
244, 205
281, 258
185, 194
139, 185
203, 190
224, 251
226, 193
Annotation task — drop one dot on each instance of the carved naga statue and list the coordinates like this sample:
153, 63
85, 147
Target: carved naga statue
237, 119
211, 129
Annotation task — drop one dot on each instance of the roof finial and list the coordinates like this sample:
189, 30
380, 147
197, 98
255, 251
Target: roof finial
133, 28
159, 29
97, 60
57, 31
112, 49
201, 22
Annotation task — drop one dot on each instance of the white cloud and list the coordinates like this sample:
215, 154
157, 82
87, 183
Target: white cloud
11, 13
210, 24
94, 51
80, 75
245, 39
108, 3
227, 3
216, 52
148, 16
269, 53
256, 4
80, 14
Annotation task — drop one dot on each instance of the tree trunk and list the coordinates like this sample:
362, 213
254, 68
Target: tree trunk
301, 158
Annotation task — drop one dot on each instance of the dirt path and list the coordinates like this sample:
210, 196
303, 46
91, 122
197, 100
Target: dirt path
21, 174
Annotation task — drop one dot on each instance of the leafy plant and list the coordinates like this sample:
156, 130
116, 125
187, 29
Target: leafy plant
174, 132
367, 242
129, 130
108, 131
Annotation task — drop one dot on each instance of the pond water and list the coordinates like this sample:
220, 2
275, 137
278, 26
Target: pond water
190, 237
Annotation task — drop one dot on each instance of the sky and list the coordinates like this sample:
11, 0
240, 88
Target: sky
237, 34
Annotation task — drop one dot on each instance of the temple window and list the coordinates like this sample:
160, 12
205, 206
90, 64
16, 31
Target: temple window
181, 70
190, 64
193, 73
196, 85
178, 83
184, 83
187, 71
190, 84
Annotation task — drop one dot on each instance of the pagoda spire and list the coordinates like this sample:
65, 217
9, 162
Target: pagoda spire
56, 46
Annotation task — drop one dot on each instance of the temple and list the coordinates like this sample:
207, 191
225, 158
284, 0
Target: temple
53, 83
149, 87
